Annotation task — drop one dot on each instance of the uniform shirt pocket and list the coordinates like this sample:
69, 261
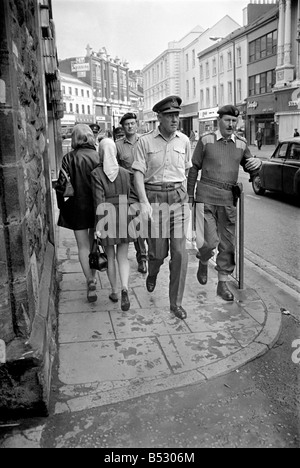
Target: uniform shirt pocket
179, 154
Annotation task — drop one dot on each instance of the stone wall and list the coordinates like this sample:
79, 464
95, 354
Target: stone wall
27, 269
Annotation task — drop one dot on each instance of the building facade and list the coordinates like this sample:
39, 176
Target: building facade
78, 101
190, 72
108, 79
287, 86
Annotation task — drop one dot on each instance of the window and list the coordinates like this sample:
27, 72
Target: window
65, 107
221, 64
230, 99
187, 89
239, 56
194, 87
89, 110
207, 69
64, 90
83, 110
214, 97
186, 62
88, 93
262, 83
71, 107
82, 92
77, 108
229, 58
193, 58
201, 99
281, 151
295, 152
221, 95
76, 91
239, 90
263, 47
207, 98
214, 67
201, 73
70, 90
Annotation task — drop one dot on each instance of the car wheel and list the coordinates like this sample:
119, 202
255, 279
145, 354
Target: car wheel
256, 185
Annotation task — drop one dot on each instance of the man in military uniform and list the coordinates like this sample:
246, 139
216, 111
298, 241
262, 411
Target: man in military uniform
95, 129
126, 148
218, 156
161, 163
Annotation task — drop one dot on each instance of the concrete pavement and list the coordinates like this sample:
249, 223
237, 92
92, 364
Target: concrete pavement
107, 356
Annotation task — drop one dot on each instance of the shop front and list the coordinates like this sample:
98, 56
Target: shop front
261, 114
208, 120
189, 118
287, 111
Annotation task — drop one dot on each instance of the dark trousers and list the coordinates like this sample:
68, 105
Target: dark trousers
167, 234
141, 251
219, 232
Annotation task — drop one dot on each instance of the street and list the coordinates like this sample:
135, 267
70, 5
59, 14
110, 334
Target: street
255, 406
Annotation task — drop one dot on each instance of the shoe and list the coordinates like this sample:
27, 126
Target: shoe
125, 303
142, 268
224, 292
151, 283
113, 297
179, 312
91, 291
202, 273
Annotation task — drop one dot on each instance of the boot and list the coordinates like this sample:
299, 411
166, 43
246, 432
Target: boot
224, 292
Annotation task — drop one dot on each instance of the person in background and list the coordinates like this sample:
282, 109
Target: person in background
296, 133
162, 160
259, 138
109, 182
118, 133
95, 129
218, 156
126, 148
196, 135
77, 212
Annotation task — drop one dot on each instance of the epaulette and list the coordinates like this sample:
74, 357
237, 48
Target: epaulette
241, 138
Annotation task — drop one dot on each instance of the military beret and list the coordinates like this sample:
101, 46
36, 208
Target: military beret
167, 105
229, 110
119, 131
95, 128
128, 116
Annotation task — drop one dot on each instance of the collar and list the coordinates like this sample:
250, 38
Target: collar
157, 133
219, 136
130, 142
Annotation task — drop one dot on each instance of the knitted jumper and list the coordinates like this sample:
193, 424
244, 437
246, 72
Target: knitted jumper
219, 160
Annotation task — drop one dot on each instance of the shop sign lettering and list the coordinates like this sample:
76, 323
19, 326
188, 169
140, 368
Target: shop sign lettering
252, 105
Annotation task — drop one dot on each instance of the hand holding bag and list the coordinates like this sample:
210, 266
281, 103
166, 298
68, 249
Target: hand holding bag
97, 257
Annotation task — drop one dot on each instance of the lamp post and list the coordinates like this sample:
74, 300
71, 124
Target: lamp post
219, 38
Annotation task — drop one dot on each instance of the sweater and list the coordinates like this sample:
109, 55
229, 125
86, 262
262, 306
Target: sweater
218, 160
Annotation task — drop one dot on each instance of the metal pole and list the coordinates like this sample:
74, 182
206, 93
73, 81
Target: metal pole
241, 241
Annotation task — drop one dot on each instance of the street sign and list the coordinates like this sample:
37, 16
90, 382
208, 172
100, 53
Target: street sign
80, 67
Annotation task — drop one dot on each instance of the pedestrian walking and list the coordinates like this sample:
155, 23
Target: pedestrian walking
296, 133
77, 212
126, 148
118, 133
218, 156
162, 160
111, 191
259, 138
96, 129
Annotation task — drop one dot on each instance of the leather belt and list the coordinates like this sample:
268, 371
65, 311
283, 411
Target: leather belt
164, 187
216, 183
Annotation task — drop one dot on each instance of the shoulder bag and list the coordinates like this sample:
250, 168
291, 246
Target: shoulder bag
97, 257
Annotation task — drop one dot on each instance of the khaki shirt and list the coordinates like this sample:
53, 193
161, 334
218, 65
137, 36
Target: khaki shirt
125, 152
162, 160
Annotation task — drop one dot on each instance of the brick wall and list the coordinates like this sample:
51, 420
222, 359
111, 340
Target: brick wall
25, 213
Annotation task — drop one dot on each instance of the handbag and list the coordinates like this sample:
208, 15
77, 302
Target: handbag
69, 190
97, 257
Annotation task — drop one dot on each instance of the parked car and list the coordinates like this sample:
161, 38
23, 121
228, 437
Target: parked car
280, 173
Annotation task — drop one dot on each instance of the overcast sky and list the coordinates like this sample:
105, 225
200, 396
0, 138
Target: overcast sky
136, 30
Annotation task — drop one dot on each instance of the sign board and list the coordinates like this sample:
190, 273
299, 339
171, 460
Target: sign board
80, 67
81, 74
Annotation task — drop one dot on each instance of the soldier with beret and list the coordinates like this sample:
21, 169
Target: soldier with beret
218, 156
95, 129
126, 148
162, 160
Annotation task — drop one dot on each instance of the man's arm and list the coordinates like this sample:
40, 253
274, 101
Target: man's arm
139, 183
194, 170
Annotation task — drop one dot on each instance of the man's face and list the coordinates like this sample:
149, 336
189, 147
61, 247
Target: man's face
130, 127
227, 125
169, 122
